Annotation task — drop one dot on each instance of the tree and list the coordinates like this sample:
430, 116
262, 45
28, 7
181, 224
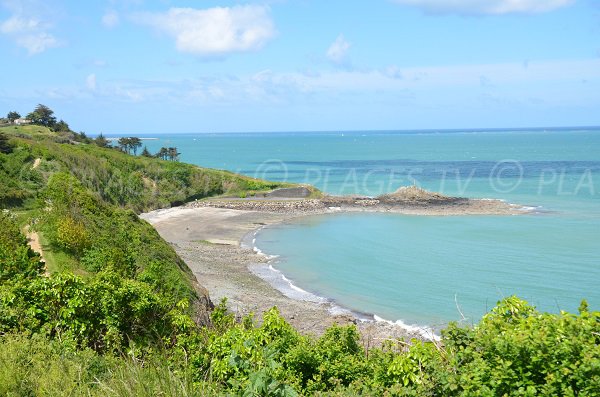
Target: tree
130, 144
12, 116
101, 141
162, 153
124, 144
173, 154
42, 115
135, 144
146, 152
61, 126
5, 146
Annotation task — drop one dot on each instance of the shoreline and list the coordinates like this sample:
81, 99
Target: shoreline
292, 291
212, 237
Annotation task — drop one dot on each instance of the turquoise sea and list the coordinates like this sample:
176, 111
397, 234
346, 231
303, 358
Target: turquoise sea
423, 269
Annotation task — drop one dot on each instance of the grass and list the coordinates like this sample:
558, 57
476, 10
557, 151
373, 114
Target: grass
32, 130
135, 182
56, 260
39, 366
59, 261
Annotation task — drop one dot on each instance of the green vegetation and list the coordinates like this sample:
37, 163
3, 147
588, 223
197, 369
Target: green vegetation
169, 153
137, 183
119, 314
42, 115
101, 141
129, 145
12, 116
5, 146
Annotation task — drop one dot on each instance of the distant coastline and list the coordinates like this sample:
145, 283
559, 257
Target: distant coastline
108, 138
158, 135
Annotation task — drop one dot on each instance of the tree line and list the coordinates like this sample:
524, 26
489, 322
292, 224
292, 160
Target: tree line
44, 116
41, 115
132, 144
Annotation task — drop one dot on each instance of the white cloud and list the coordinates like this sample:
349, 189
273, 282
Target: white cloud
486, 7
338, 50
445, 86
29, 33
110, 19
214, 31
37, 42
90, 82
15, 25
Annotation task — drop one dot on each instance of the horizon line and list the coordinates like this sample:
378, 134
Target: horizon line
427, 130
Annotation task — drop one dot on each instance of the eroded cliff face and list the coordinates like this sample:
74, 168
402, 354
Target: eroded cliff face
202, 305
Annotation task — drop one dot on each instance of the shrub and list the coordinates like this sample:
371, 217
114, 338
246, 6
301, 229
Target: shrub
17, 259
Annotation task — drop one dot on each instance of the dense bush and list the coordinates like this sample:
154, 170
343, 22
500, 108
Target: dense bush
106, 312
142, 183
515, 350
18, 181
17, 259
39, 366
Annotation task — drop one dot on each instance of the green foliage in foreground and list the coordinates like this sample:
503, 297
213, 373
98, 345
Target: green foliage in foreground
18, 259
534, 354
106, 311
38, 366
109, 334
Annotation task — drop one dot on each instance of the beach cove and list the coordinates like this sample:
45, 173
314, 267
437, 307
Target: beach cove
215, 239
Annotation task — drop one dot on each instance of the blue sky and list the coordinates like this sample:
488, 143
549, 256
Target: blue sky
135, 66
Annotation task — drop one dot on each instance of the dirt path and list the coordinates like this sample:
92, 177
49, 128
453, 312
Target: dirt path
33, 239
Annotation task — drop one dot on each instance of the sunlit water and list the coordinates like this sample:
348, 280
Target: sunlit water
424, 269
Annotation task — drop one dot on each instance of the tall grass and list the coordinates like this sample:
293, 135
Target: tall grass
37, 366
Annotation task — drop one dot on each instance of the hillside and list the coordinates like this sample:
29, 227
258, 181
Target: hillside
133, 182
81, 200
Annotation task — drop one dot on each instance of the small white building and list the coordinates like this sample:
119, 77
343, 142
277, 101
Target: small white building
22, 121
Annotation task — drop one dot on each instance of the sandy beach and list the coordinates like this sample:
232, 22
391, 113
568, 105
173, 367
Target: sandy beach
208, 236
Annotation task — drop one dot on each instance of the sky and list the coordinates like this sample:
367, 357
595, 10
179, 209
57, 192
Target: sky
140, 66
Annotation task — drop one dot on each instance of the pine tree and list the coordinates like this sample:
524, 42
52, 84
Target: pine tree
101, 141
146, 152
12, 116
124, 144
162, 153
135, 144
42, 115
173, 154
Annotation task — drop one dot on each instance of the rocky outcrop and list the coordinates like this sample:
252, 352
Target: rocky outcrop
266, 205
406, 203
419, 196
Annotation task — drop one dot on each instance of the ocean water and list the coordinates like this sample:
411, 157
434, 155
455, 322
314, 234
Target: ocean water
430, 270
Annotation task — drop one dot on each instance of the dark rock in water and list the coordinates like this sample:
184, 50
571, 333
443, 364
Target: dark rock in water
290, 192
